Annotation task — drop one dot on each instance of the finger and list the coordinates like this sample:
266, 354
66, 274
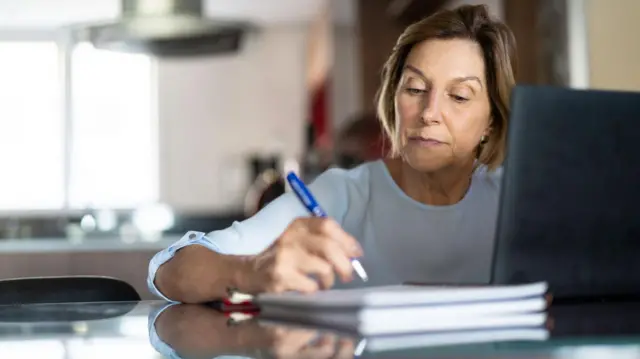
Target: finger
320, 268
292, 341
299, 282
326, 340
331, 228
346, 349
329, 250
323, 347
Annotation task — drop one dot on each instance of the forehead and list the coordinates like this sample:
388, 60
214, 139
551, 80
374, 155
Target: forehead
447, 58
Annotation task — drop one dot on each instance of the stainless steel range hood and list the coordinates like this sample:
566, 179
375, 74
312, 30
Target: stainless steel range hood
167, 28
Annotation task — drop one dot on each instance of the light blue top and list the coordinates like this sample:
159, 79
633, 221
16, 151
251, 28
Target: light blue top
403, 240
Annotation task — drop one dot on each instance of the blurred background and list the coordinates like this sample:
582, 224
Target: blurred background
125, 123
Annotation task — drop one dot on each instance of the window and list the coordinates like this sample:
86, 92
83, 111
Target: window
31, 127
113, 161
111, 148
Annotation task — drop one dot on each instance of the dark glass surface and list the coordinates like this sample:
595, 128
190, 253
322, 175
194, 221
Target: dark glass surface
158, 330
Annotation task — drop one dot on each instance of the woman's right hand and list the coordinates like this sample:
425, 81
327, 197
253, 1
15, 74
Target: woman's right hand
312, 246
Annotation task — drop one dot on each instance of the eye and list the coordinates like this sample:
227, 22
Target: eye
415, 91
459, 99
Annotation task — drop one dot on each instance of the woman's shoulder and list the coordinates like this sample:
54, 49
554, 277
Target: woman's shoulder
356, 175
491, 179
345, 182
339, 190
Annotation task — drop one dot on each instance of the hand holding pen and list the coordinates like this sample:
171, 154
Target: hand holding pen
312, 205
310, 247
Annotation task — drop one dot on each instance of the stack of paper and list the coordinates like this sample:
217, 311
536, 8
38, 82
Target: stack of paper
412, 309
452, 338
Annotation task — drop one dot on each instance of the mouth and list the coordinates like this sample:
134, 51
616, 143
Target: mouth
425, 141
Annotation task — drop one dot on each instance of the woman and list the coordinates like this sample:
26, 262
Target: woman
426, 213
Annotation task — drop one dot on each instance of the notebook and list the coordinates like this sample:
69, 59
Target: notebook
407, 309
423, 340
369, 324
401, 295
385, 343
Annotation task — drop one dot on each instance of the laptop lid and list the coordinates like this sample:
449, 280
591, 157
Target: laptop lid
570, 204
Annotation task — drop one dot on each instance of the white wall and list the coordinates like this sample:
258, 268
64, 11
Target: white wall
578, 44
214, 112
613, 44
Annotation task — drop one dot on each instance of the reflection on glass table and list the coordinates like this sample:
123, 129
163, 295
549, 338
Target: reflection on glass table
161, 330
187, 331
75, 331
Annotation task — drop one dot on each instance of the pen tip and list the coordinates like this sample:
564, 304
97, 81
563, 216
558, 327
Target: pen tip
357, 266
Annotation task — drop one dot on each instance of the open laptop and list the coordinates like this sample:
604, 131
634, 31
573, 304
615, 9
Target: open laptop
570, 204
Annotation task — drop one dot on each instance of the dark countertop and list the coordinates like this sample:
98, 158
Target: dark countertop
45, 226
64, 245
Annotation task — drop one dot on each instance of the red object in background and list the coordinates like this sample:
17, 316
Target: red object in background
320, 116
229, 306
242, 307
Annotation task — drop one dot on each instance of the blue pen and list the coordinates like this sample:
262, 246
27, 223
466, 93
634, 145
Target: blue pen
307, 199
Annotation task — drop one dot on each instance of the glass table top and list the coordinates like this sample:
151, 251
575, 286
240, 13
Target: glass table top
160, 330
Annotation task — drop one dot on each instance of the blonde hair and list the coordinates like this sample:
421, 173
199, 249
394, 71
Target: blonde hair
498, 45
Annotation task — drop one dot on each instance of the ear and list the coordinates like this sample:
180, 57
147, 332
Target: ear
487, 131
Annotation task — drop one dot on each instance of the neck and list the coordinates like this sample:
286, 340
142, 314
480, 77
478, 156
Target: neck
444, 187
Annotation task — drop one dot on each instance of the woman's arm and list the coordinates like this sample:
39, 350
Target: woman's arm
196, 274
201, 267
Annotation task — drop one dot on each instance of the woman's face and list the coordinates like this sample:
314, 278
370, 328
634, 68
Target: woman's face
442, 104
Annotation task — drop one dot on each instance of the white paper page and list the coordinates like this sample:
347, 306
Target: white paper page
402, 295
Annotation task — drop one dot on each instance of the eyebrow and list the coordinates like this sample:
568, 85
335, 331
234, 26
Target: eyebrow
457, 79
468, 78
414, 69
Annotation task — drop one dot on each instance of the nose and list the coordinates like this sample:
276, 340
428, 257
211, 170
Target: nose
430, 113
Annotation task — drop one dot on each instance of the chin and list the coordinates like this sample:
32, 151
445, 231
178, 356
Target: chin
427, 162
